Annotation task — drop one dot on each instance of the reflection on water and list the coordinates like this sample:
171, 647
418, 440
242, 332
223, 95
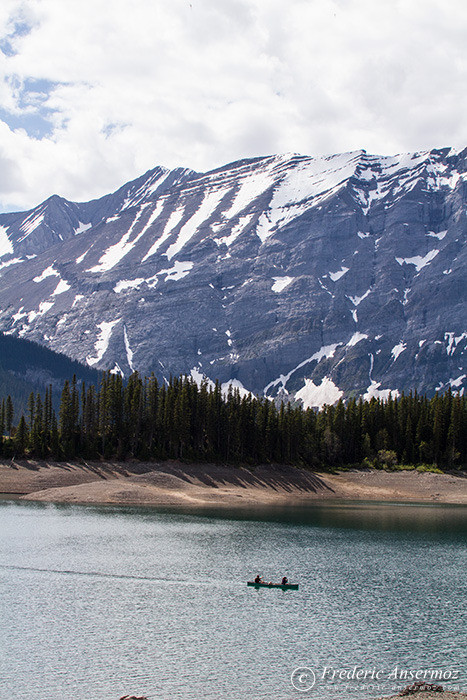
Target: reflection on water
106, 601
365, 515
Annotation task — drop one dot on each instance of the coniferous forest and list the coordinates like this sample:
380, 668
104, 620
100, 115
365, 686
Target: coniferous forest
146, 420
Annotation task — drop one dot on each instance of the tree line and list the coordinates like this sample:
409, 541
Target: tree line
148, 420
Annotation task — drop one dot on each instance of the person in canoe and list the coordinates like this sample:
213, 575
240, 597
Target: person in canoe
285, 581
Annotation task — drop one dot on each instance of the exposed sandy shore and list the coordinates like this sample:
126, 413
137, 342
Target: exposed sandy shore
175, 484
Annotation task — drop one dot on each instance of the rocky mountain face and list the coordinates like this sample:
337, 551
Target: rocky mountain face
289, 276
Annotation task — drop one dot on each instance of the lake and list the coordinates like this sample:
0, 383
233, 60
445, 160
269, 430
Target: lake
99, 602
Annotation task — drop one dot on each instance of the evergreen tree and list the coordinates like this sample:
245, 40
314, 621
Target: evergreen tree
31, 409
66, 426
9, 414
21, 437
180, 420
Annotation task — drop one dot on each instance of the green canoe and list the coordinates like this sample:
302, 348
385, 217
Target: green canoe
285, 586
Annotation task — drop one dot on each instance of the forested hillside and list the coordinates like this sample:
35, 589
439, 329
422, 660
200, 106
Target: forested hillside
26, 366
180, 420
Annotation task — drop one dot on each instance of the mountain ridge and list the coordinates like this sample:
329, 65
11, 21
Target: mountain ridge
27, 367
307, 278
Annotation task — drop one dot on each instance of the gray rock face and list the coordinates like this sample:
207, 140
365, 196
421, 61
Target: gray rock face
312, 278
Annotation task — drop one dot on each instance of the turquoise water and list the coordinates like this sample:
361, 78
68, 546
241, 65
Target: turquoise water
102, 602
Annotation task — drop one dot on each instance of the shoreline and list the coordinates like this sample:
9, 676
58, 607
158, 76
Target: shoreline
191, 485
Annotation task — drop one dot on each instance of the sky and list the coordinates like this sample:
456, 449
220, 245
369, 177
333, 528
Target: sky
94, 93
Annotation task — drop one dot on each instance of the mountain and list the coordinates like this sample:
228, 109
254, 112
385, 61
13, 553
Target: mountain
288, 275
27, 367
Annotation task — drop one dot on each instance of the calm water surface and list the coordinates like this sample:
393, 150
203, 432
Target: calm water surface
102, 602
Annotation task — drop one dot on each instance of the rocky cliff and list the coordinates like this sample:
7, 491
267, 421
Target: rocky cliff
285, 275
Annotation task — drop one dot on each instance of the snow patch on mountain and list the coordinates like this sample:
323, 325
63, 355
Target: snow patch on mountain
312, 177
61, 287
251, 186
456, 383
31, 223
357, 300
275, 219
129, 351
178, 271
265, 225
102, 342
368, 197
202, 215
356, 338
235, 231
77, 299
147, 188
82, 228
200, 378
234, 384
325, 351
440, 236
397, 350
453, 341
374, 392
44, 306
280, 283
171, 223
388, 176
6, 247
80, 258
316, 396
419, 261
14, 261
19, 315
305, 179
123, 285
116, 252
48, 272
337, 275
152, 218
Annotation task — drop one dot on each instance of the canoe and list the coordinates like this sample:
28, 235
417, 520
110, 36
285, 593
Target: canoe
285, 586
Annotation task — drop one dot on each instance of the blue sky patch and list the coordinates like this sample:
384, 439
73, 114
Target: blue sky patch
32, 113
7, 43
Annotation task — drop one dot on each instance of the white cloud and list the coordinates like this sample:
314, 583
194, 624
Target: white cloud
94, 97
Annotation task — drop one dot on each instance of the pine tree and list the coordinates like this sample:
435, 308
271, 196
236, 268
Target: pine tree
9, 414
31, 409
37, 445
55, 437
454, 436
21, 437
66, 427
